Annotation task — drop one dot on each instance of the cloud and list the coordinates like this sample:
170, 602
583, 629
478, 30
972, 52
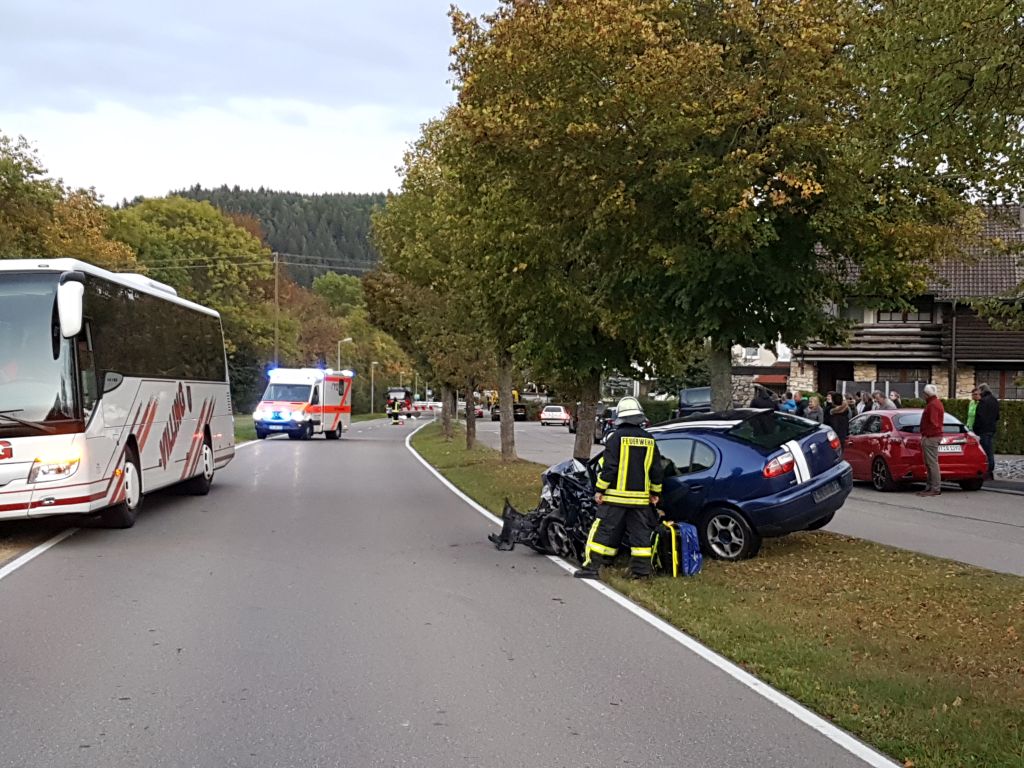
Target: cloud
140, 97
288, 145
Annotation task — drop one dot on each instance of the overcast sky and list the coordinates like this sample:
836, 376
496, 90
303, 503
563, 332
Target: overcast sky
138, 97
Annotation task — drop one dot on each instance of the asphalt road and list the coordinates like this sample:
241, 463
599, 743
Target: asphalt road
983, 528
332, 604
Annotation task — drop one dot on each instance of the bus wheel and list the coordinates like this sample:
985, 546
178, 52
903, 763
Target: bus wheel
200, 484
261, 435
333, 434
124, 513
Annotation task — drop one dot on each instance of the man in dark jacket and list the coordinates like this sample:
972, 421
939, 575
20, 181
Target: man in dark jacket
986, 422
628, 487
762, 399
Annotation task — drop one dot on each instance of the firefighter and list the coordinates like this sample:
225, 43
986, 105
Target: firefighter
628, 487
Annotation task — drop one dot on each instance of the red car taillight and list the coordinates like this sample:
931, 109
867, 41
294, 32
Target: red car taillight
833, 440
779, 466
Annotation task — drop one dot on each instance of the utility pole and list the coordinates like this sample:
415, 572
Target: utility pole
373, 367
277, 304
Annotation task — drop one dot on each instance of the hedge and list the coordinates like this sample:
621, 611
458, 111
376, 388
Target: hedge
1009, 437
659, 410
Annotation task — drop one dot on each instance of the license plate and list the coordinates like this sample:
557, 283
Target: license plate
275, 427
827, 491
951, 449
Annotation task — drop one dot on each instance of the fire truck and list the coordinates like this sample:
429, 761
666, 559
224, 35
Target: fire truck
302, 402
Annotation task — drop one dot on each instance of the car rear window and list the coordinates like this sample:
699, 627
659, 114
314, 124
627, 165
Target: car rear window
911, 422
772, 429
697, 396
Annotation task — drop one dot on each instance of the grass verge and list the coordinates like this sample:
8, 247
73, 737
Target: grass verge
920, 657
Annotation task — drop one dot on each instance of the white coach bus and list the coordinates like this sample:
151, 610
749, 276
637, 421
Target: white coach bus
111, 386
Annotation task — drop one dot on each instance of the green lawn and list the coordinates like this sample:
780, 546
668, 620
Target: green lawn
921, 657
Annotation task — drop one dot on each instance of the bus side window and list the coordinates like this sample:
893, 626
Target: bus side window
316, 396
89, 382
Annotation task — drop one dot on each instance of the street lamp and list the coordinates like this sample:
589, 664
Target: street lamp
373, 366
346, 340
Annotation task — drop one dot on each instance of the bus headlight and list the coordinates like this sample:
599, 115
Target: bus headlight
260, 414
46, 470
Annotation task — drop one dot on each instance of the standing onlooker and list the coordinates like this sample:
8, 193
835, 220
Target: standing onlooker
801, 403
896, 400
788, 404
931, 435
762, 399
972, 408
986, 422
882, 403
814, 411
839, 411
866, 403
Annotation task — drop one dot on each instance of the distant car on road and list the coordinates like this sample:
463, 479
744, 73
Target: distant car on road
742, 475
555, 414
518, 412
478, 410
884, 447
694, 400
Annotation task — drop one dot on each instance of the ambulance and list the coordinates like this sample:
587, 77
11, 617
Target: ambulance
302, 402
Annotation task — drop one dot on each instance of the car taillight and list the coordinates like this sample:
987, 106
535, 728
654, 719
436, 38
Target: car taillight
779, 466
833, 440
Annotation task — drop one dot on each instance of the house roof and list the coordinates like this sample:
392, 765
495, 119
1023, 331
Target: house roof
994, 264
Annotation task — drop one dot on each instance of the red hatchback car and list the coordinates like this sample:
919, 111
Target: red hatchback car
885, 448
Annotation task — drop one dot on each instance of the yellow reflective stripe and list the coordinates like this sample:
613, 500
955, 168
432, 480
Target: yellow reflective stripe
628, 494
675, 552
641, 551
648, 460
620, 481
602, 484
593, 546
655, 487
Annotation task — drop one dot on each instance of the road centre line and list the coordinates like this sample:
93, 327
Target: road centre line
817, 723
35, 552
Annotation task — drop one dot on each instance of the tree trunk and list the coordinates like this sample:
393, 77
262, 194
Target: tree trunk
506, 407
720, 367
446, 412
586, 414
470, 416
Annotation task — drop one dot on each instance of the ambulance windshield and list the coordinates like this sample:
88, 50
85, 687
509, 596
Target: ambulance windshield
287, 393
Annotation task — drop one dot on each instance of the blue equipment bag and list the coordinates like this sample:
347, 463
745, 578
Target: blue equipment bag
678, 549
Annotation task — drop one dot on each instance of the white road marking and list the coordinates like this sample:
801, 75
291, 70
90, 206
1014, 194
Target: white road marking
35, 552
831, 732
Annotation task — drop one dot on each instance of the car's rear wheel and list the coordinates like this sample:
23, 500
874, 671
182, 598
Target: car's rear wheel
972, 485
726, 535
881, 477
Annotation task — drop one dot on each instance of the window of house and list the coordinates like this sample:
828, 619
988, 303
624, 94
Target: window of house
903, 375
1006, 383
922, 312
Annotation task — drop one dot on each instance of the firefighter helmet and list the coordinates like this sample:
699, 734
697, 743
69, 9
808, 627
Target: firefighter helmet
629, 411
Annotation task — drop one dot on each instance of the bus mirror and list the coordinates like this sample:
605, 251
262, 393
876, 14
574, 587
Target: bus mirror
111, 381
69, 303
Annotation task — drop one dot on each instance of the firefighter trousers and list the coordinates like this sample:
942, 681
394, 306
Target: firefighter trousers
613, 524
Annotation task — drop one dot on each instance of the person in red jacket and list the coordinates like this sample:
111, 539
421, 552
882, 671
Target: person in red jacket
931, 435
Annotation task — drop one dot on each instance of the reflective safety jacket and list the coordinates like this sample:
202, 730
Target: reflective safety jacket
630, 467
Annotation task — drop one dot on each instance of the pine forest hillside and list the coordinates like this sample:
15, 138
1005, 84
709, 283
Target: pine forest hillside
314, 233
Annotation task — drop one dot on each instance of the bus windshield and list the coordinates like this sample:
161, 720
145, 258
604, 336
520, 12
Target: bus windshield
287, 393
36, 364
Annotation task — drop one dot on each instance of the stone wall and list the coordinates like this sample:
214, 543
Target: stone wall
940, 378
742, 390
964, 381
805, 381
865, 371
